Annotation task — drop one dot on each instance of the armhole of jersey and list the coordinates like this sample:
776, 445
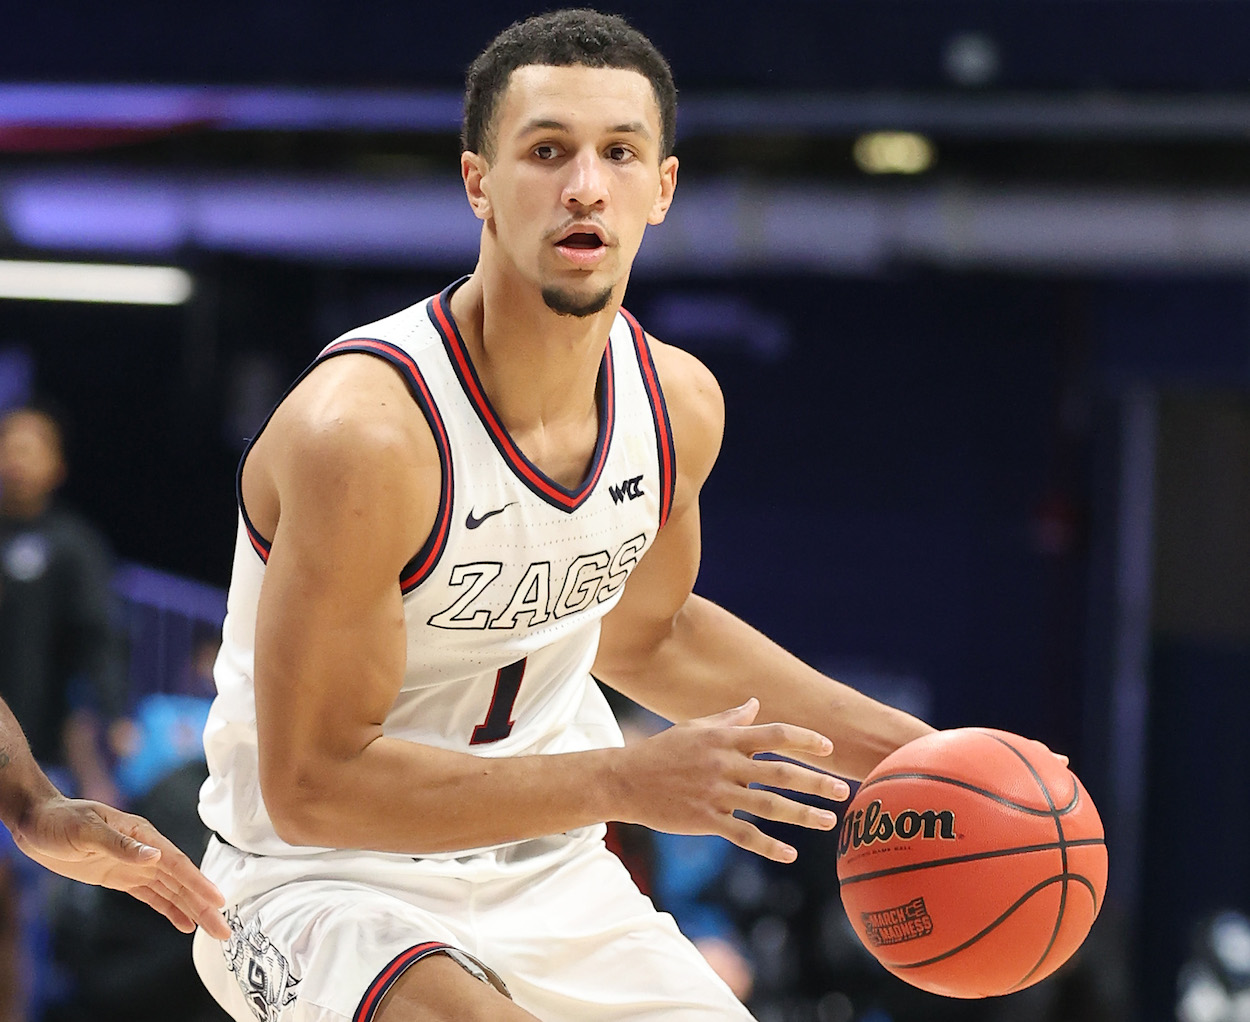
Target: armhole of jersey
418, 569
420, 566
665, 449
259, 543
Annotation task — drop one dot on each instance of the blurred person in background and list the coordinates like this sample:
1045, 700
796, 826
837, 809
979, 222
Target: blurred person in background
61, 669
58, 643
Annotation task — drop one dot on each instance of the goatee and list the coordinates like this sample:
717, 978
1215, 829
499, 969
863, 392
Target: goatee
565, 303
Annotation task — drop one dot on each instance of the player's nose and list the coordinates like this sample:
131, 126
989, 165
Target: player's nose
587, 183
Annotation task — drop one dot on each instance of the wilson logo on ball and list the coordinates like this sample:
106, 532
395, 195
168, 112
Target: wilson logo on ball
874, 824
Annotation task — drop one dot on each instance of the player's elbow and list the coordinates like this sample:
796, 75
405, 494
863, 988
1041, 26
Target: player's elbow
299, 801
632, 655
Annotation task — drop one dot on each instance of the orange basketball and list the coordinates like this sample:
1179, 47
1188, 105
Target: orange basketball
972, 862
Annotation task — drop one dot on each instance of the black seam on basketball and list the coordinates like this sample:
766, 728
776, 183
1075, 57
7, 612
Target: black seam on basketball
997, 853
1093, 896
1054, 934
1063, 848
1062, 878
1000, 799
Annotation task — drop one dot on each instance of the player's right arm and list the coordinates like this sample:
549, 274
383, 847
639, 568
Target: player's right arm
344, 481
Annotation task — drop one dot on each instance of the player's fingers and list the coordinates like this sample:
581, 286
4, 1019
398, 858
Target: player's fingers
183, 872
203, 912
736, 716
778, 773
785, 738
158, 900
206, 917
749, 837
186, 910
99, 836
176, 870
771, 805
213, 924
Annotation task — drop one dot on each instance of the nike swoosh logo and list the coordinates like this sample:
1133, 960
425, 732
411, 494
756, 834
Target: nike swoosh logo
472, 523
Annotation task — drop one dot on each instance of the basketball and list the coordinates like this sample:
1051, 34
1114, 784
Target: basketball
972, 862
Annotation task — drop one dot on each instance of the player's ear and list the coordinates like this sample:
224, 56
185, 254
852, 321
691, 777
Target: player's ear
668, 184
473, 169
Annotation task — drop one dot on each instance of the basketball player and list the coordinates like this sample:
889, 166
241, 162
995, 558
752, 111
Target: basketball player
97, 844
457, 519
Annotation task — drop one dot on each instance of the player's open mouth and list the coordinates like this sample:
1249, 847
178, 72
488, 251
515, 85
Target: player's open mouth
582, 240
582, 248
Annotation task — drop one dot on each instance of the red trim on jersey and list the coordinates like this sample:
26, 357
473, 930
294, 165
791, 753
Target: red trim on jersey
529, 473
387, 977
258, 541
659, 410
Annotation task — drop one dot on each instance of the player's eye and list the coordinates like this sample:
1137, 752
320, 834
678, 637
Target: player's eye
545, 152
619, 153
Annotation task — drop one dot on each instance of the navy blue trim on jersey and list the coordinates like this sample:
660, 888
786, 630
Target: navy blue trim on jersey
259, 543
382, 984
537, 481
665, 447
420, 566
418, 569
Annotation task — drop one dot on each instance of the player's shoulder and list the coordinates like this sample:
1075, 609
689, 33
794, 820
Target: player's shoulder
695, 404
686, 380
351, 413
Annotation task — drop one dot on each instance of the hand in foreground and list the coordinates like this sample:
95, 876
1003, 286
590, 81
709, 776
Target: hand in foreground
694, 777
96, 844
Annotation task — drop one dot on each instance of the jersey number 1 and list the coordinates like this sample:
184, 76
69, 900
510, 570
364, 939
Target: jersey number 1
498, 722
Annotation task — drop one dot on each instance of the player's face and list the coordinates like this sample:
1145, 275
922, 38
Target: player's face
575, 179
31, 466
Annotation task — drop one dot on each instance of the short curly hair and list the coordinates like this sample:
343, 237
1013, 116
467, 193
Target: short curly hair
571, 37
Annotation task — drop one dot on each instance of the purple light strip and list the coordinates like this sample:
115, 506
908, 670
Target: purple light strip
239, 108
228, 108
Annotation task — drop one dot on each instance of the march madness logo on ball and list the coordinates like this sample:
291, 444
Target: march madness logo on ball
896, 925
874, 824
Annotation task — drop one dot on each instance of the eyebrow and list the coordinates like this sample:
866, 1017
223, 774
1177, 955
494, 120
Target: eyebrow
544, 124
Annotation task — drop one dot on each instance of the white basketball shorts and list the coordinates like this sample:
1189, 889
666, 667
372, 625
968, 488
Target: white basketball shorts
557, 922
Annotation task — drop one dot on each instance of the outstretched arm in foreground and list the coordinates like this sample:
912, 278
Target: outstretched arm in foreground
97, 844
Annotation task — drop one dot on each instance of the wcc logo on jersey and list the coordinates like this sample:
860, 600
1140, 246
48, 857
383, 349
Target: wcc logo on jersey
630, 489
538, 594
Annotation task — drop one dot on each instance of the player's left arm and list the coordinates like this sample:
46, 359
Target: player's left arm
682, 656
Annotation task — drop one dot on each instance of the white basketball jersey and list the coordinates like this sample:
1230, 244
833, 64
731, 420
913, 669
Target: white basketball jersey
504, 600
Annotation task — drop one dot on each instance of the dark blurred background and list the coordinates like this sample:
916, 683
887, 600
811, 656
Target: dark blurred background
974, 276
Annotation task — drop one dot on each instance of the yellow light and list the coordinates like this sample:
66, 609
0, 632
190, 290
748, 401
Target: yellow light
893, 152
94, 282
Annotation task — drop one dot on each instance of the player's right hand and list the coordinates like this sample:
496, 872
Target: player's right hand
698, 776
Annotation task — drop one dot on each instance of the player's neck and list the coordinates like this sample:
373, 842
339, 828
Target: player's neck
536, 366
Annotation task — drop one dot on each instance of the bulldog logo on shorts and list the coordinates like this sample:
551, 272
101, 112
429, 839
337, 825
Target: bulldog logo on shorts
262, 971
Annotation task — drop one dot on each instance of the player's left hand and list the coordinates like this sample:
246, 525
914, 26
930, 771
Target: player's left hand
96, 844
